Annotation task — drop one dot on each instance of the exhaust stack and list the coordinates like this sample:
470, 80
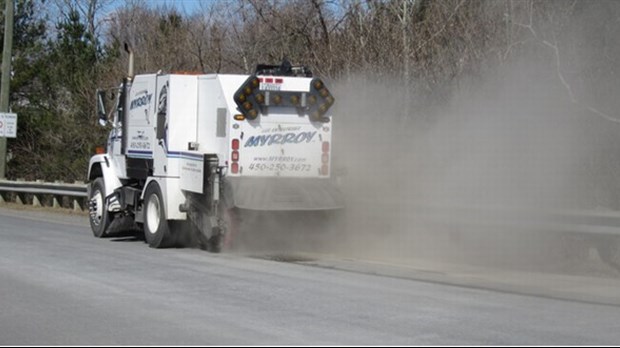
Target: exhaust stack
130, 67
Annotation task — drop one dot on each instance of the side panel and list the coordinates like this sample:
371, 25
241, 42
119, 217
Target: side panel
179, 97
192, 172
140, 127
214, 117
283, 149
162, 115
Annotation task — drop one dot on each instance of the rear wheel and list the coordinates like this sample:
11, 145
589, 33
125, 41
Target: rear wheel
156, 228
99, 216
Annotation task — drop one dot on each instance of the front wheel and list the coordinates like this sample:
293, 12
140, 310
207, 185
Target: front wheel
156, 227
99, 216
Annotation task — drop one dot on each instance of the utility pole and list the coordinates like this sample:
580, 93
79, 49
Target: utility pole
6, 76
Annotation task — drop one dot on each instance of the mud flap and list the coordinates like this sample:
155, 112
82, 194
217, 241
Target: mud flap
205, 210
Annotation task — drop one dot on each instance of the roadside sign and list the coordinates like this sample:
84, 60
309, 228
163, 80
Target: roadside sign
8, 125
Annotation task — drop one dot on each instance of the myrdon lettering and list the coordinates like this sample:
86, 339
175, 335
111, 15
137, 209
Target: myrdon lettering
287, 138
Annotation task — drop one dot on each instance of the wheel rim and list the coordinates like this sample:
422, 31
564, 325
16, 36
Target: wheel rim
95, 208
153, 214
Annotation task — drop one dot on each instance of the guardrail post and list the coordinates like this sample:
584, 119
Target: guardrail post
35, 201
2, 201
35, 198
55, 203
18, 198
76, 205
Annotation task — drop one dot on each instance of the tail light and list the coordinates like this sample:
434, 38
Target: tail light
234, 156
325, 158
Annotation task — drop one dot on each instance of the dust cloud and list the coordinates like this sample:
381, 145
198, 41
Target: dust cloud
475, 180
471, 179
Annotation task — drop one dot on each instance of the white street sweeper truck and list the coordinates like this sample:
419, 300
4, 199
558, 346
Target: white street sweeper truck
186, 149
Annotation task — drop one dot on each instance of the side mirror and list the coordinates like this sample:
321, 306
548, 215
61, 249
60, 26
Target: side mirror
101, 112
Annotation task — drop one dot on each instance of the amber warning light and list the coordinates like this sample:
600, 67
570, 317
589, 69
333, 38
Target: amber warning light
251, 100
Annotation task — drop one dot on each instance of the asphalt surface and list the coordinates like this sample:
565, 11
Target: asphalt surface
61, 286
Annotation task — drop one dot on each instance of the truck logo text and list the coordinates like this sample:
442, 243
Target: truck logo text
141, 101
287, 138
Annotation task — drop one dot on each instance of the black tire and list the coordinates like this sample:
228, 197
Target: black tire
156, 228
608, 248
99, 216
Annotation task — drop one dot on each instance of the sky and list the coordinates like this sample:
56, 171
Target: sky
184, 6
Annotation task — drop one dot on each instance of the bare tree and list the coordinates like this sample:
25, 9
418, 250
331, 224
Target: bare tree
93, 11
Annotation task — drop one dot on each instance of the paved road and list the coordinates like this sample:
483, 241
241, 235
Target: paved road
61, 286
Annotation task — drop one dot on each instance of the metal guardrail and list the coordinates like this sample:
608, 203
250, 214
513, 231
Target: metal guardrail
605, 222
22, 191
